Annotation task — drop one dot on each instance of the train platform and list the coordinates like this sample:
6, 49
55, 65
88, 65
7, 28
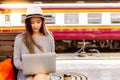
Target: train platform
105, 68
101, 56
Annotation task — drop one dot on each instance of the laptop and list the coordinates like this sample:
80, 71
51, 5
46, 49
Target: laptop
39, 63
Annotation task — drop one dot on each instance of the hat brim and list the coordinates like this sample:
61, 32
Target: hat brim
31, 16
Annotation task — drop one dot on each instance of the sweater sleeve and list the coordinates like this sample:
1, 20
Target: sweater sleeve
17, 52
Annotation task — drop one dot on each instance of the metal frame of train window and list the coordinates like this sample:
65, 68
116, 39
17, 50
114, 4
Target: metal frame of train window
94, 18
49, 18
115, 18
71, 18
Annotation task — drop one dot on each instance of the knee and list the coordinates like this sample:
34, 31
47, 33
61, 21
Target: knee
42, 77
30, 78
39, 77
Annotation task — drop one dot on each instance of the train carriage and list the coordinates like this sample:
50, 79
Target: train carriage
97, 25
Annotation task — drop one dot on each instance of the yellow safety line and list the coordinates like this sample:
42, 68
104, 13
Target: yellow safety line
65, 27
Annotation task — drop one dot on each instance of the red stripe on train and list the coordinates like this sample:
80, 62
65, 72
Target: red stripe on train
80, 34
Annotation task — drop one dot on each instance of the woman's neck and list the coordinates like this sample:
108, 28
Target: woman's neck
37, 34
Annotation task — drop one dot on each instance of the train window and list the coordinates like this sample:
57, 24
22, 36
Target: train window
71, 18
7, 20
49, 18
23, 17
94, 18
7, 17
115, 18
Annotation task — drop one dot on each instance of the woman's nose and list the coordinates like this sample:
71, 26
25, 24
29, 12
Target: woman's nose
35, 24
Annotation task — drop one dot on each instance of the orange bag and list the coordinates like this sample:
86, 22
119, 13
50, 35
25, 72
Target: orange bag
6, 70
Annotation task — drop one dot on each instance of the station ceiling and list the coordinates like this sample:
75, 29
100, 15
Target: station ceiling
57, 1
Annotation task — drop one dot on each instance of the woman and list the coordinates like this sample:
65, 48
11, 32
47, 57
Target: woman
36, 39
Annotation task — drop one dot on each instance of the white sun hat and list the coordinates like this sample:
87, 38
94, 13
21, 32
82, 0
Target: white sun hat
34, 11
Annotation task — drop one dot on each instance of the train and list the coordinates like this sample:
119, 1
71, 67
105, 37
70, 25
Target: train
97, 25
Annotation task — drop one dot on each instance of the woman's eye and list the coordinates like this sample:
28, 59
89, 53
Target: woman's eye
39, 22
32, 22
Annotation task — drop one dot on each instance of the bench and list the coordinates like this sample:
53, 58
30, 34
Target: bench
7, 47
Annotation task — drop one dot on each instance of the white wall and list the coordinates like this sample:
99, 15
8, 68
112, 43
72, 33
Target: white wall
0, 20
16, 19
83, 18
59, 18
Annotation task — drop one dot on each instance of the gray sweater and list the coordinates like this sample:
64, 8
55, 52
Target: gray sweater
47, 42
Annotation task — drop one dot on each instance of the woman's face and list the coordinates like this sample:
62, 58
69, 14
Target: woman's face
36, 24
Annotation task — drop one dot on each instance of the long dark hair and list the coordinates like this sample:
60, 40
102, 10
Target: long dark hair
28, 40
